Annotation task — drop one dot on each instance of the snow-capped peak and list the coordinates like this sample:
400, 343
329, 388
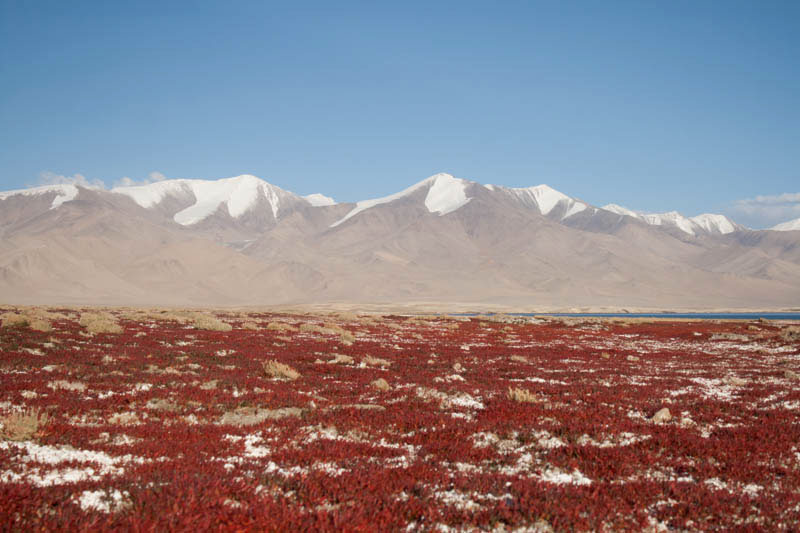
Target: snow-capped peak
318, 200
65, 192
239, 194
544, 198
445, 194
791, 225
706, 222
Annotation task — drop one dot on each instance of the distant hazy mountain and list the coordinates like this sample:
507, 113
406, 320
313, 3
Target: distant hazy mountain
242, 240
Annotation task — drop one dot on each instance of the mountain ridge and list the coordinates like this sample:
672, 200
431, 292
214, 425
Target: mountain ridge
444, 239
237, 195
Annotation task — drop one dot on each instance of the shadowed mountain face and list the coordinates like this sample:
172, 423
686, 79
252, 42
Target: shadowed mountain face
244, 241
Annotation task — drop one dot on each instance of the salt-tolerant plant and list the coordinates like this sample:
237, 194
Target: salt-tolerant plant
278, 370
585, 458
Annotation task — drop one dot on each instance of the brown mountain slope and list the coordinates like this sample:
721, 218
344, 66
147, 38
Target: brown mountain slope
493, 248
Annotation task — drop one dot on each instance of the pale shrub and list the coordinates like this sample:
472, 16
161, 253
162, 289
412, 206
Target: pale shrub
381, 384
23, 426
11, 320
376, 361
210, 323
280, 326
99, 323
342, 359
521, 395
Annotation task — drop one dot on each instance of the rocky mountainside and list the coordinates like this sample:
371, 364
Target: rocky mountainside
242, 240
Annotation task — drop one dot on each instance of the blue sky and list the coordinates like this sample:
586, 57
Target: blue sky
686, 105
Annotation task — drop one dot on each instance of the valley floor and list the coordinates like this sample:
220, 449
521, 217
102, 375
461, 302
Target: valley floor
245, 420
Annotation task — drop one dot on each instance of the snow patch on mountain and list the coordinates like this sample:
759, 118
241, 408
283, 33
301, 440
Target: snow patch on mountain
544, 198
707, 222
319, 200
445, 194
791, 225
65, 192
152, 194
712, 223
619, 210
239, 194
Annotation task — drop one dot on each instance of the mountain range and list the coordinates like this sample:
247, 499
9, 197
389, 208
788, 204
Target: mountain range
444, 240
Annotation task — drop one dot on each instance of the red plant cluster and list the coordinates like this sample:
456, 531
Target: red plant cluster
143, 434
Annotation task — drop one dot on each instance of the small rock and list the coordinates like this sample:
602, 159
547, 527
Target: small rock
458, 368
663, 415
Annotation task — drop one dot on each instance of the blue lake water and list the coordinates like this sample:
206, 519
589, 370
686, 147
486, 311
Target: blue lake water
699, 316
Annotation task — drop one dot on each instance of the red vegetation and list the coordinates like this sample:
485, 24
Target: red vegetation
141, 446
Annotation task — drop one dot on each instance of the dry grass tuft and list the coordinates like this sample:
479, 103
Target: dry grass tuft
99, 323
327, 329
35, 318
281, 326
14, 320
63, 384
279, 370
381, 384
521, 395
376, 361
791, 333
40, 324
342, 359
519, 358
24, 425
210, 323
251, 326
347, 338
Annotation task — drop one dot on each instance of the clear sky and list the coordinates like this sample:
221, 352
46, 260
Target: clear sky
655, 105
